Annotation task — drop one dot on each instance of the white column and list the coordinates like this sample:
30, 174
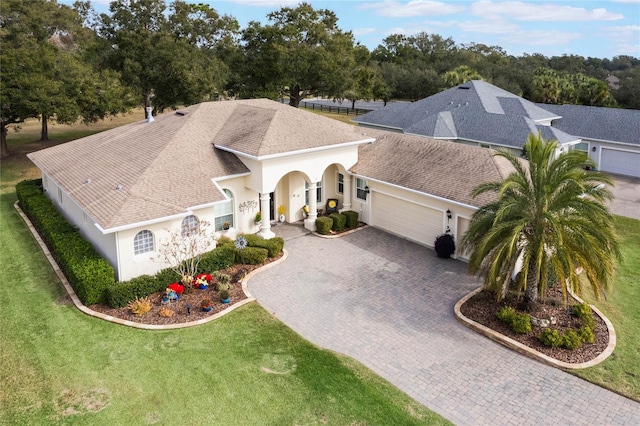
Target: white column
265, 226
346, 193
310, 221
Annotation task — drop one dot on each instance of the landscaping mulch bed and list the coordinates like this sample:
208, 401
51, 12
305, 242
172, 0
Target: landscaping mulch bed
194, 298
483, 306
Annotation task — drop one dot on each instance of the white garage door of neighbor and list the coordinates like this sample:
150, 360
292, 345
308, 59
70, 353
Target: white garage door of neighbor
463, 225
410, 220
620, 162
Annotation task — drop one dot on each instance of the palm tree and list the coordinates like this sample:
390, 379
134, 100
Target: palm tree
549, 219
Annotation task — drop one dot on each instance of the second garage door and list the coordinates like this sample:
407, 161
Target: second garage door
620, 162
406, 219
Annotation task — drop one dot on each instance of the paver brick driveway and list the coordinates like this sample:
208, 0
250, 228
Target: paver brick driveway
389, 304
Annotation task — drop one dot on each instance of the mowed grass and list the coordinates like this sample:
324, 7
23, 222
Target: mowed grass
58, 365
621, 371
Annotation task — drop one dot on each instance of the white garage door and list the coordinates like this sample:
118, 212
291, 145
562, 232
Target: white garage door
406, 219
620, 162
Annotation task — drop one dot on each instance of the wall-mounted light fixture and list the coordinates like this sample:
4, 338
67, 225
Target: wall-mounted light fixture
593, 149
366, 190
449, 214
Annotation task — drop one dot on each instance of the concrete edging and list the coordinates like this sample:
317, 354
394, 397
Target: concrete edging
76, 301
532, 353
342, 234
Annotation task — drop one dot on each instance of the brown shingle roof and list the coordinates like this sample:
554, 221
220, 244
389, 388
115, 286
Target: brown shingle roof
166, 167
436, 167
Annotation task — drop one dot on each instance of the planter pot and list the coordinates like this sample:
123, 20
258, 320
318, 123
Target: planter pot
203, 287
282, 218
206, 309
165, 300
225, 300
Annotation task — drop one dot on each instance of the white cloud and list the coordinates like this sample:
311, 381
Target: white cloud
542, 38
627, 1
522, 11
265, 3
442, 24
489, 27
623, 39
363, 31
394, 9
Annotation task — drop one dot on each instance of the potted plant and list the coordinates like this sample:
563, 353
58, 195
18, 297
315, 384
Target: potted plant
281, 210
258, 218
226, 225
224, 296
202, 281
206, 305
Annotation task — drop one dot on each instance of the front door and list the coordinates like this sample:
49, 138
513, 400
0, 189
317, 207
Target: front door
272, 204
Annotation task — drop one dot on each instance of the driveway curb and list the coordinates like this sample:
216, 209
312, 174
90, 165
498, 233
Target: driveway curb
532, 353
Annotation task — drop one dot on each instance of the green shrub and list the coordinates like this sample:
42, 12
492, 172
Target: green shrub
221, 257
571, 340
88, 273
551, 338
586, 334
506, 314
323, 225
166, 276
251, 255
273, 245
224, 241
121, 293
584, 312
521, 323
352, 218
339, 221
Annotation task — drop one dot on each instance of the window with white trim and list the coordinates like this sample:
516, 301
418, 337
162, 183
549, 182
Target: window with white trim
361, 189
582, 147
340, 181
143, 242
190, 225
223, 212
318, 192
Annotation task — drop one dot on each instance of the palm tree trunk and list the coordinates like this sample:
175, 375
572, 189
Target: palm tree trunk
531, 294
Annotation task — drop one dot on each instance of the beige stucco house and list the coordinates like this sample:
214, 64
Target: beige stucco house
128, 188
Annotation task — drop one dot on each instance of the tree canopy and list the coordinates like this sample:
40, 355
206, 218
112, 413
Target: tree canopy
549, 220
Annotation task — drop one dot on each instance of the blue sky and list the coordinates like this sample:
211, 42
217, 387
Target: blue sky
601, 29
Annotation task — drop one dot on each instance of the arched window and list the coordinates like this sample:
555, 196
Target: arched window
223, 212
190, 225
143, 242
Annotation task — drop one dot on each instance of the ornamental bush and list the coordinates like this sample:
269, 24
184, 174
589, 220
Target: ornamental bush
323, 225
506, 314
121, 293
339, 221
352, 218
586, 334
251, 255
221, 257
273, 245
88, 273
521, 323
551, 338
445, 246
571, 340
585, 313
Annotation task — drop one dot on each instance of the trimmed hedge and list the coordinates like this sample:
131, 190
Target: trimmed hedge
352, 218
273, 245
88, 273
120, 294
339, 221
323, 225
219, 258
251, 255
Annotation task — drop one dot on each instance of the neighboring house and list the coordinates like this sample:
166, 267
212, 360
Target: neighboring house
611, 136
474, 113
478, 113
127, 188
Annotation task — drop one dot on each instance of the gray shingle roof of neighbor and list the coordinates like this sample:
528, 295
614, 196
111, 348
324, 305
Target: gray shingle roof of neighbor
431, 166
166, 167
475, 111
605, 124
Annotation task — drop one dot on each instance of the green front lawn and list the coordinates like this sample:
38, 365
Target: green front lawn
621, 371
60, 365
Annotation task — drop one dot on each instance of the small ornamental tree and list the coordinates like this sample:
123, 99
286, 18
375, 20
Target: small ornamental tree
183, 248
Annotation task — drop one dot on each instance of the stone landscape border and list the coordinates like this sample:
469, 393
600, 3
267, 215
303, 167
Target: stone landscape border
532, 353
76, 301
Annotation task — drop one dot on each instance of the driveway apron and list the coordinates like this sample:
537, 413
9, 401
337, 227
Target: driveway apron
389, 304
